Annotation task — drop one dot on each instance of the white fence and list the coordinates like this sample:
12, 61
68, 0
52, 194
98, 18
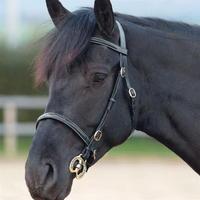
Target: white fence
10, 106
11, 128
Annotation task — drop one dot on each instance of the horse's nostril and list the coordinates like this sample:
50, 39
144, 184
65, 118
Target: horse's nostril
50, 171
42, 178
50, 174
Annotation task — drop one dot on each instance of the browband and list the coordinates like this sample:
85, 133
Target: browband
120, 49
108, 44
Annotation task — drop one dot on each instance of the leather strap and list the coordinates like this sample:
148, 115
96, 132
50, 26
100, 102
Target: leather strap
92, 146
110, 45
67, 122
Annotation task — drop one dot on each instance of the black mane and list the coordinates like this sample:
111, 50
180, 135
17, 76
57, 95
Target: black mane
177, 28
65, 44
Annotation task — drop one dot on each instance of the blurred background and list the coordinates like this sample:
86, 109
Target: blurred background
140, 169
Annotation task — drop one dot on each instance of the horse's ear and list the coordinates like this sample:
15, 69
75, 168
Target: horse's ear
104, 16
57, 11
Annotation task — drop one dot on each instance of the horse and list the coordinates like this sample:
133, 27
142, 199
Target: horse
109, 74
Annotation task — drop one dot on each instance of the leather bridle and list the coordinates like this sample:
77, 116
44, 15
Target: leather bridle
79, 165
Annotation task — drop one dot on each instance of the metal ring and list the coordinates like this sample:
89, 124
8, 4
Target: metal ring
95, 154
98, 135
123, 72
78, 166
132, 93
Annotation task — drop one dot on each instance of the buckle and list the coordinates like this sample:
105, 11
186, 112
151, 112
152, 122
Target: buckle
132, 93
123, 72
98, 135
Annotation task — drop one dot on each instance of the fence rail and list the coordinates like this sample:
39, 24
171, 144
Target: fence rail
24, 102
10, 106
23, 129
11, 128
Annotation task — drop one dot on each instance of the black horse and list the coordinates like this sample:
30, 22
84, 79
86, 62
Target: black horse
93, 83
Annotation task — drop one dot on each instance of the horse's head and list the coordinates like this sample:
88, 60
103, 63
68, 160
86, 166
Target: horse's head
83, 77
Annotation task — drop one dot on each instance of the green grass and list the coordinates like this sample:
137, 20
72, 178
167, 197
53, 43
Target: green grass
133, 147
1, 145
23, 145
141, 147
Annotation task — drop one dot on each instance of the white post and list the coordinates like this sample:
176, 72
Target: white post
12, 22
10, 121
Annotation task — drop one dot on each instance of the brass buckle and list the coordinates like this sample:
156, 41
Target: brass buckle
78, 166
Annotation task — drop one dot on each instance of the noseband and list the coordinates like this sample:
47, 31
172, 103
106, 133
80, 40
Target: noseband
79, 165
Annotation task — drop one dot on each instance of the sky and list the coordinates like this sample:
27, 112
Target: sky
30, 13
184, 10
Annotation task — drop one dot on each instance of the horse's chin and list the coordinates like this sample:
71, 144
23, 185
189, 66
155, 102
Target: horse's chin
64, 194
61, 196
40, 194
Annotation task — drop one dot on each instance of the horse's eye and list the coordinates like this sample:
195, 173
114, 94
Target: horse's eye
99, 77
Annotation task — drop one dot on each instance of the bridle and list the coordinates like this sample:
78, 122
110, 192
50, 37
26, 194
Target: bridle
79, 165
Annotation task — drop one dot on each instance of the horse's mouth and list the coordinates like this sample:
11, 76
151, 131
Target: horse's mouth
61, 196
40, 194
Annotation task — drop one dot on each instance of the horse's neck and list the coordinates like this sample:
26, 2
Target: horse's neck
169, 108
